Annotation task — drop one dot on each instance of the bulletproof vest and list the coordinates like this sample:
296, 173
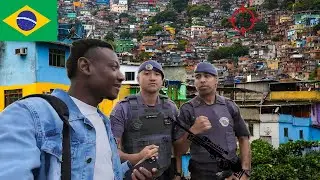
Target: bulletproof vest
147, 126
221, 133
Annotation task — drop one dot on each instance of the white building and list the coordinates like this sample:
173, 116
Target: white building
119, 8
130, 72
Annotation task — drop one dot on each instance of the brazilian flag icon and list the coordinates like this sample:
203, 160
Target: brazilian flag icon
28, 20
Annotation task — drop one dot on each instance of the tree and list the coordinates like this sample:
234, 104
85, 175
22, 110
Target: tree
260, 26
316, 28
93, 13
226, 23
109, 36
286, 162
182, 45
154, 29
125, 35
225, 5
143, 56
199, 10
179, 5
167, 15
236, 50
124, 15
270, 4
139, 35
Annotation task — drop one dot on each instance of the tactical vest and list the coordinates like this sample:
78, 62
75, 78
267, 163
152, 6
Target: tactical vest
220, 133
147, 126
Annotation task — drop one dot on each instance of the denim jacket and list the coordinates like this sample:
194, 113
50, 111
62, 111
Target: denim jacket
31, 142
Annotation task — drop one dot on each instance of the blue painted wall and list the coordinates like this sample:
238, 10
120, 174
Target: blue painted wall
46, 73
315, 134
105, 2
16, 69
294, 125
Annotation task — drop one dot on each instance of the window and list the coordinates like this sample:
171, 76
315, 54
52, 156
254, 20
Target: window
129, 76
285, 132
251, 129
11, 96
57, 57
301, 134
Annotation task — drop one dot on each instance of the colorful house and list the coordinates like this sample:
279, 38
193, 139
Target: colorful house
37, 67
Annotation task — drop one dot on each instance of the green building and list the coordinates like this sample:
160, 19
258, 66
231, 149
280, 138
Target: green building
124, 45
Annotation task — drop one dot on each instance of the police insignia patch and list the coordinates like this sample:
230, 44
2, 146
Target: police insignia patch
224, 121
149, 67
137, 124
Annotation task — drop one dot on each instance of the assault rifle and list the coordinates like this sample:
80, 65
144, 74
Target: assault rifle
228, 165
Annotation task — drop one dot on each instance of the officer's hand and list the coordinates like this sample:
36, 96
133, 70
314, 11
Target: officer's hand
142, 174
201, 125
149, 151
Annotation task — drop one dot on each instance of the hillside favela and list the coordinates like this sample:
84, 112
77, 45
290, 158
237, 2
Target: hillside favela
264, 54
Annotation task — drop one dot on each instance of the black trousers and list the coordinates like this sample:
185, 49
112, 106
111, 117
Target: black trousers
169, 173
199, 171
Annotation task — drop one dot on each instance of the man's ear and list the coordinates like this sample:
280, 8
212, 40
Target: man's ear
84, 66
138, 78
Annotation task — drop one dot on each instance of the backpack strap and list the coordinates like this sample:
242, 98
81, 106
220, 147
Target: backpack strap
62, 110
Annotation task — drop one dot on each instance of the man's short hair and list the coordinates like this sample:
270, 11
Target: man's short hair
78, 49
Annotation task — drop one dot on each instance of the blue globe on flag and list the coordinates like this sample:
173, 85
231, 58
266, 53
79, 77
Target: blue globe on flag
26, 20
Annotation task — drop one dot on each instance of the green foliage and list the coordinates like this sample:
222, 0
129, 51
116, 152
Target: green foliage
109, 36
301, 5
125, 35
316, 28
236, 50
260, 26
261, 152
143, 56
123, 15
243, 20
277, 38
179, 5
199, 10
225, 23
154, 29
285, 163
270, 4
167, 15
182, 45
225, 5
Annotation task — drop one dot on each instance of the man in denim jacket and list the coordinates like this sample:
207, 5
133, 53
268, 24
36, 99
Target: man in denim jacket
31, 130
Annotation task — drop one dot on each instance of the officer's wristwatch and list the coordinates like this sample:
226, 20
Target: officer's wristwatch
247, 172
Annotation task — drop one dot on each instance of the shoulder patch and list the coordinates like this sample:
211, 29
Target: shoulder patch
163, 96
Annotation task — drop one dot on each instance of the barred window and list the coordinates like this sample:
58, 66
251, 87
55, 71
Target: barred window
11, 96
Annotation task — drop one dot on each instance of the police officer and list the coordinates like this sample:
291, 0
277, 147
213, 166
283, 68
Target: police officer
140, 122
215, 117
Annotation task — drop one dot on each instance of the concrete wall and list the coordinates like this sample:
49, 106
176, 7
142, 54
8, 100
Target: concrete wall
17, 69
269, 128
315, 114
259, 86
175, 73
130, 68
250, 113
46, 73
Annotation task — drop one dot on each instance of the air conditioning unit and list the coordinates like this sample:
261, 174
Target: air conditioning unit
21, 51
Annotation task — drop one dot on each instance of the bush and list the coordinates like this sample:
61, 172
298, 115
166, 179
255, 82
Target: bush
291, 161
